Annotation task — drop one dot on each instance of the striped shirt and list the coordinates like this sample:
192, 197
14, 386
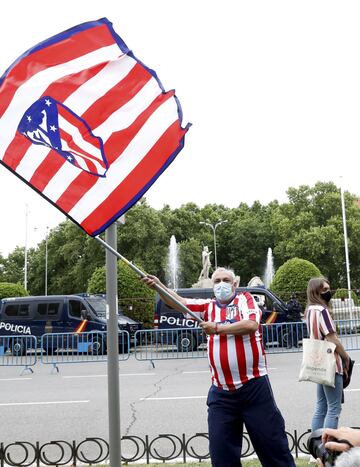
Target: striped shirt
320, 324
233, 359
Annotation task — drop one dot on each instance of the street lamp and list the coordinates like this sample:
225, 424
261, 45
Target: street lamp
213, 228
46, 258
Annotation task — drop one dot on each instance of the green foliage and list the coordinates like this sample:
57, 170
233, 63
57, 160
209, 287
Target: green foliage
136, 300
308, 226
190, 262
72, 258
8, 289
143, 239
344, 293
12, 269
293, 276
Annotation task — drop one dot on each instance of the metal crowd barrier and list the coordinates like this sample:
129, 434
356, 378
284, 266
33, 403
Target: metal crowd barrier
159, 344
283, 337
153, 344
59, 348
187, 343
348, 331
345, 309
15, 351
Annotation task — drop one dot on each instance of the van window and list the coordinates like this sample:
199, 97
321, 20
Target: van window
50, 310
75, 307
17, 311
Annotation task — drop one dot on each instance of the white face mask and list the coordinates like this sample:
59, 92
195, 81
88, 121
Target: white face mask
223, 291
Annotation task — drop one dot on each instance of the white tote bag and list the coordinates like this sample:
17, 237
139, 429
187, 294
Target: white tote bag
318, 363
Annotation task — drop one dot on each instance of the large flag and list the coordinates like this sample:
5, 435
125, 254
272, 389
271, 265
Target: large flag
86, 124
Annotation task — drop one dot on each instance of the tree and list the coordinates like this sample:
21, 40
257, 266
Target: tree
72, 258
2, 268
8, 289
310, 227
136, 299
245, 240
143, 239
190, 262
293, 276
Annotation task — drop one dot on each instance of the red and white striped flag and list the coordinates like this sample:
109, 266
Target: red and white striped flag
86, 124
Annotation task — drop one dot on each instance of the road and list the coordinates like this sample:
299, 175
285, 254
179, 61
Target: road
170, 398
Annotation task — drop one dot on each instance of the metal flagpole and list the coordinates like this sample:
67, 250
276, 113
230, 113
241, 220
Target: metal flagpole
346, 246
113, 349
26, 247
159, 289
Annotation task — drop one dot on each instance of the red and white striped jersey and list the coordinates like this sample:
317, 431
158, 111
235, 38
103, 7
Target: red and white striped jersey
233, 359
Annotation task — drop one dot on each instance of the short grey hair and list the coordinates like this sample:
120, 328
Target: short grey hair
230, 271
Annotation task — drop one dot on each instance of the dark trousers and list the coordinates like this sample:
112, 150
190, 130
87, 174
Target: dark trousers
254, 405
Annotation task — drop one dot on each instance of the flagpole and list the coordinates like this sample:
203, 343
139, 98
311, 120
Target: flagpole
158, 288
113, 349
26, 246
347, 262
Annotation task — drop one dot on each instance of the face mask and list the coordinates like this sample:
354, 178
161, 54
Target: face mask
326, 296
223, 291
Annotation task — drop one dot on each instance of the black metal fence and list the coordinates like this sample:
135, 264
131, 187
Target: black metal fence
163, 448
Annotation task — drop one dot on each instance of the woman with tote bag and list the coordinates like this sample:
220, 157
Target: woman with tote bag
321, 326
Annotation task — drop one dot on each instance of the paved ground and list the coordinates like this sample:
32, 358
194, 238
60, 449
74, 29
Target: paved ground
169, 398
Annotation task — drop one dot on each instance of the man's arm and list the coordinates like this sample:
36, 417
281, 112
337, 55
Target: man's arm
240, 328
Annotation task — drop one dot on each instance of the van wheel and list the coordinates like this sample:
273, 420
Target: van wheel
97, 346
186, 342
286, 337
18, 348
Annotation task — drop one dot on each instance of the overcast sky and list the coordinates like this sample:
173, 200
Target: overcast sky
271, 87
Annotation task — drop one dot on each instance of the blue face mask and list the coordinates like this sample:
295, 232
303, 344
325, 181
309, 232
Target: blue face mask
223, 291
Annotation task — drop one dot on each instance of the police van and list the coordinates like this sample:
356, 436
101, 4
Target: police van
51, 314
274, 312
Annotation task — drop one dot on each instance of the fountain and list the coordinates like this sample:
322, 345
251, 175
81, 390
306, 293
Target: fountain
269, 268
172, 266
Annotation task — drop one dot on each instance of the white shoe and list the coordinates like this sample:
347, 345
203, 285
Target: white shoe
312, 460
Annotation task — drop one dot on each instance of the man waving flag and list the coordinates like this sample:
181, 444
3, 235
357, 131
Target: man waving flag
86, 124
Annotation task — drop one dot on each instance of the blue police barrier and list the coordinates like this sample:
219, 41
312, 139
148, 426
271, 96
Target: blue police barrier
186, 343
163, 344
59, 348
18, 350
283, 337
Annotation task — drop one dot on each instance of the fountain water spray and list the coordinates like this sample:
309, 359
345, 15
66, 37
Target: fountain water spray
172, 267
269, 268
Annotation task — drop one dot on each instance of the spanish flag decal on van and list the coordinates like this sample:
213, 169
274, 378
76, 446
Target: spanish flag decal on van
271, 318
81, 327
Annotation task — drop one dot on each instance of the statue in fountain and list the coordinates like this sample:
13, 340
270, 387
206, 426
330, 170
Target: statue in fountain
206, 263
204, 279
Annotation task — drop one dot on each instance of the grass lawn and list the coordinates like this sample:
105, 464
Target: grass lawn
249, 463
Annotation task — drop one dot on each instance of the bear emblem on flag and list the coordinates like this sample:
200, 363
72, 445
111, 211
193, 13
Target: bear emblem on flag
52, 124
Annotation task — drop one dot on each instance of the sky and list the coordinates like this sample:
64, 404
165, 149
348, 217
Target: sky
271, 87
